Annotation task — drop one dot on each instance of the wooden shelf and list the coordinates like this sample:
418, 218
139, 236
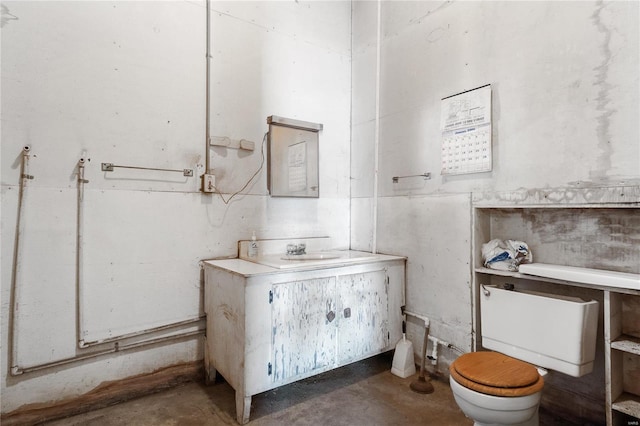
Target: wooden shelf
627, 344
627, 403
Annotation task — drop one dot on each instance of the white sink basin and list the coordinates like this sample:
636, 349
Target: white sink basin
582, 275
311, 256
315, 259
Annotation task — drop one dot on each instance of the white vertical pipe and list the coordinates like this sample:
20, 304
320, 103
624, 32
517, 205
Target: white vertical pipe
376, 144
207, 160
80, 330
14, 315
434, 351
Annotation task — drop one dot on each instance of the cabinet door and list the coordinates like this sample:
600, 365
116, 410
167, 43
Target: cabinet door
304, 322
364, 318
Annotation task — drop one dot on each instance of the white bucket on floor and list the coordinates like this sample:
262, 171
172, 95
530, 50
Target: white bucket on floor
403, 363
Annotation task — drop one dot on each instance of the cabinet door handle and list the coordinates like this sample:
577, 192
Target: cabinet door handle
347, 312
331, 316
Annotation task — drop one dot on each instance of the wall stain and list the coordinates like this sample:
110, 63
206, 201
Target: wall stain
603, 99
601, 238
6, 16
562, 196
441, 6
436, 35
228, 312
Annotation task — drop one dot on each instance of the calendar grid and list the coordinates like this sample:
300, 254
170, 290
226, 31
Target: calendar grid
466, 132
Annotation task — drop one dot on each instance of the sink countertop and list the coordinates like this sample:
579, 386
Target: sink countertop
247, 268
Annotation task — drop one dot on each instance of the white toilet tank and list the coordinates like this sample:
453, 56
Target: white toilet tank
547, 330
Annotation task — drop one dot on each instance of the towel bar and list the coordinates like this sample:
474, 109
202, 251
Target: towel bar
108, 167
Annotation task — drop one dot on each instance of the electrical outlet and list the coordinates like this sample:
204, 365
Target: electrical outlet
208, 183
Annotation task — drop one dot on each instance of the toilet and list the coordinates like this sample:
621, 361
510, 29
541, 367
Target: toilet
503, 386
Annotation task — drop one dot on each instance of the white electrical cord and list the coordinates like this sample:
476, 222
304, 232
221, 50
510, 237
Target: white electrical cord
228, 200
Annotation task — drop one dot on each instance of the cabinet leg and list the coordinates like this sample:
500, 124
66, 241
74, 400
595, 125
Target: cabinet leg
243, 407
210, 374
209, 370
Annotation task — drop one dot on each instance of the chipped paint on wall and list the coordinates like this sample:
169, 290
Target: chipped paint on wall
565, 115
603, 100
145, 230
622, 195
602, 238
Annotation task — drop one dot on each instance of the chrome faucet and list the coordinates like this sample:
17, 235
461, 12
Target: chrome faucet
296, 249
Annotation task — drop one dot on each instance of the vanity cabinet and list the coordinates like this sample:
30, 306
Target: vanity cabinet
344, 312
571, 231
363, 307
301, 317
267, 327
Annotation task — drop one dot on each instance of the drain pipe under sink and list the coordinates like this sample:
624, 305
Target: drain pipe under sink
434, 353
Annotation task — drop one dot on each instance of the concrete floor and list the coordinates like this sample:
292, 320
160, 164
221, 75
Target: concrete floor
364, 393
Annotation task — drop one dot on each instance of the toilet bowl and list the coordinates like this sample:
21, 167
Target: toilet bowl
494, 389
494, 410
502, 386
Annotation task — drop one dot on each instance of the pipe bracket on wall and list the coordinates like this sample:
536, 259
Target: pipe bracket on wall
108, 167
424, 175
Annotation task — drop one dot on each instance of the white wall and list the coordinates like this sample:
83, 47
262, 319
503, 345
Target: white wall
124, 82
564, 78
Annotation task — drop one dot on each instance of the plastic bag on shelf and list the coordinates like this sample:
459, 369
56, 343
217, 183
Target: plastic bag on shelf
505, 255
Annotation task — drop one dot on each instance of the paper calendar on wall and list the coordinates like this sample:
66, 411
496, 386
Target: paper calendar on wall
466, 132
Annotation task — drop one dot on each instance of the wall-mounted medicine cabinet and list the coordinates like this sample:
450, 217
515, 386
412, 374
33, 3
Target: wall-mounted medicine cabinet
292, 158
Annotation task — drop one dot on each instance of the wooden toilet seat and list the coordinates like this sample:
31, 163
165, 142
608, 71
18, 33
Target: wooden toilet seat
496, 374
